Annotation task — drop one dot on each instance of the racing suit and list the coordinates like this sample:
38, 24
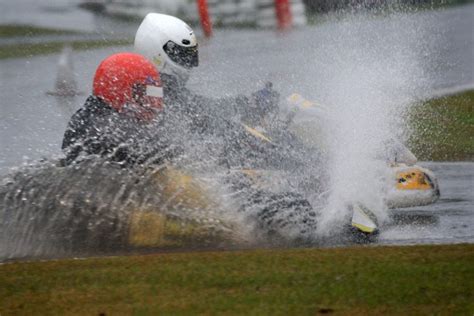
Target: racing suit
99, 130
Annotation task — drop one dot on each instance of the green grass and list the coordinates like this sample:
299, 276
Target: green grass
30, 50
30, 31
443, 129
33, 49
411, 280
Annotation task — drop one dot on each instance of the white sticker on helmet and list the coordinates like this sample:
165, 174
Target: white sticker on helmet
154, 91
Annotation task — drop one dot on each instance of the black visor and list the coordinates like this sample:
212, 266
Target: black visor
184, 56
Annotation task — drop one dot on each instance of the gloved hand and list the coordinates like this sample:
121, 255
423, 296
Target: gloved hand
263, 103
266, 99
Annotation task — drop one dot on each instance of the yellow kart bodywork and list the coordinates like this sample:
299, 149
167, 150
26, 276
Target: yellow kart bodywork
412, 186
97, 206
413, 179
187, 214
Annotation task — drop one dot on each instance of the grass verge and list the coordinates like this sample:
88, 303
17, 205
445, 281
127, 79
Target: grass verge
30, 50
10, 30
33, 49
421, 280
443, 129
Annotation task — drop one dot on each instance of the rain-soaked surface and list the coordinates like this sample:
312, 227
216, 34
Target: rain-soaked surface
368, 70
64, 15
413, 55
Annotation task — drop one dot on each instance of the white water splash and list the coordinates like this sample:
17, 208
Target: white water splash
366, 78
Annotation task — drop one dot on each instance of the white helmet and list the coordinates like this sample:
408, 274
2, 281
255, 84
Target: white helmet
169, 43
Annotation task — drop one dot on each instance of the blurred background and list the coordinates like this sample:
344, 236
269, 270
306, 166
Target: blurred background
332, 51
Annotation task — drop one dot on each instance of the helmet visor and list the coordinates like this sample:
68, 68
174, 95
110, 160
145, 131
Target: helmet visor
183, 56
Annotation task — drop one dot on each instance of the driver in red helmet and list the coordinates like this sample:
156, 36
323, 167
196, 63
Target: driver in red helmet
118, 120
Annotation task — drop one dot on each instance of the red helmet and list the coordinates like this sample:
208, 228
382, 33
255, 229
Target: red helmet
128, 80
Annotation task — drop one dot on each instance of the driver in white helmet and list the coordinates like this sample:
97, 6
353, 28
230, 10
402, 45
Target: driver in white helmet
172, 46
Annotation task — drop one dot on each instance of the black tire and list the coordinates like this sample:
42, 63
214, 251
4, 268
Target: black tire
286, 217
